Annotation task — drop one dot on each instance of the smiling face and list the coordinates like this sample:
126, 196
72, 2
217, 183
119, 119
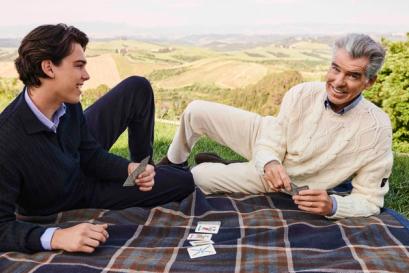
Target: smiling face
69, 76
346, 79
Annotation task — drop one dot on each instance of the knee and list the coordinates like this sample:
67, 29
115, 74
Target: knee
201, 179
195, 110
137, 86
137, 81
194, 106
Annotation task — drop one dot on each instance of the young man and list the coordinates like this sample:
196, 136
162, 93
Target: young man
54, 157
324, 134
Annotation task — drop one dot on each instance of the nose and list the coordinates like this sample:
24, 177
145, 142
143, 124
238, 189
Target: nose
85, 75
339, 80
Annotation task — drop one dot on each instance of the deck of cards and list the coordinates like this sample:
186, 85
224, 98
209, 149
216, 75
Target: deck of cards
202, 244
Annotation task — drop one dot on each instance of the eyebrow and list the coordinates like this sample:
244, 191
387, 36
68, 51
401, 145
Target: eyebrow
80, 61
355, 73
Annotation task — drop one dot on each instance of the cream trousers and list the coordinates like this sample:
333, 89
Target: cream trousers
229, 126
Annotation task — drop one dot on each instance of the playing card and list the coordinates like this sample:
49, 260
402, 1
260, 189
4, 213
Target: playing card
294, 189
208, 227
302, 188
130, 181
200, 243
201, 251
199, 237
210, 222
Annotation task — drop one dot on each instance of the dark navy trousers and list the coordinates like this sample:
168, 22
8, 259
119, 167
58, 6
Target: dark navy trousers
130, 105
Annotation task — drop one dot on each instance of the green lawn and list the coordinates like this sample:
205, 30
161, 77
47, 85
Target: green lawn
396, 199
163, 136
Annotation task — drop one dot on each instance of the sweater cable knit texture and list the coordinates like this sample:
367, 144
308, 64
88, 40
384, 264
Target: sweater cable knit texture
321, 148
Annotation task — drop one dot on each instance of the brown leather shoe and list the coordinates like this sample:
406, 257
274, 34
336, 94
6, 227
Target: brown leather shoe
165, 161
213, 158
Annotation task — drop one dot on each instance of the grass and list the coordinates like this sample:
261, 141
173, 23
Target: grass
399, 181
397, 198
163, 137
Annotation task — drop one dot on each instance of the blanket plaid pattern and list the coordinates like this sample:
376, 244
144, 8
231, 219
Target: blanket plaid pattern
258, 233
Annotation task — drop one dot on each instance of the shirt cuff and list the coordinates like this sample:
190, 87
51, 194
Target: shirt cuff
46, 238
334, 205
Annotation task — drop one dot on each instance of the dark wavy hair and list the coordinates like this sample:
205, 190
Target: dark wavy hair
46, 42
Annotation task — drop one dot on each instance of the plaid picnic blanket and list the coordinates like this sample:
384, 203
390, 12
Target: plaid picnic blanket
258, 233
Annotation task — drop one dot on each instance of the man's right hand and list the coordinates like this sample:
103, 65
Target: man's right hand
276, 175
80, 238
145, 181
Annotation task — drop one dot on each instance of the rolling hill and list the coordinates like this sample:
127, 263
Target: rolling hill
180, 73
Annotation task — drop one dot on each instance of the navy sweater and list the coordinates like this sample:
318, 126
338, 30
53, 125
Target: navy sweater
42, 172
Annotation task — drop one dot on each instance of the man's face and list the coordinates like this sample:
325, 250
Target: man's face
70, 75
346, 79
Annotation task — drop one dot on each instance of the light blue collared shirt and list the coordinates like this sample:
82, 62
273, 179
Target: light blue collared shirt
327, 104
46, 238
52, 125
354, 103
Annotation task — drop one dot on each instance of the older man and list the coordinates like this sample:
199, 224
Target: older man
324, 134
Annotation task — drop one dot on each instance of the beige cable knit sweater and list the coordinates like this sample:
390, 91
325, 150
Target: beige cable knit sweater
321, 148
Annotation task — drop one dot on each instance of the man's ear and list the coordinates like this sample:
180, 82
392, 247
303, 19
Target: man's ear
47, 67
370, 82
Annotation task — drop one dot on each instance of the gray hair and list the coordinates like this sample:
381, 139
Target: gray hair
361, 45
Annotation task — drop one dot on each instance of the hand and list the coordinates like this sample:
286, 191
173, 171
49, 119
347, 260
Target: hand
314, 201
80, 238
145, 180
276, 175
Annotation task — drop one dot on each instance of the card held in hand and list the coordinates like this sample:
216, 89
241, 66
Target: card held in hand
130, 181
294, 189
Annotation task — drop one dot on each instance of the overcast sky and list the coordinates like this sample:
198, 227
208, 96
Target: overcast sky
199, 15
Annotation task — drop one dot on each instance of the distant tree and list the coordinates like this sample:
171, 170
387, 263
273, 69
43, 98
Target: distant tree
265, 96
92, 94
10, 87
391, 91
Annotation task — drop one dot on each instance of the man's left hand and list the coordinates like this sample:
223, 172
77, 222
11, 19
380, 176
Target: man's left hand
314, 201
145, 180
